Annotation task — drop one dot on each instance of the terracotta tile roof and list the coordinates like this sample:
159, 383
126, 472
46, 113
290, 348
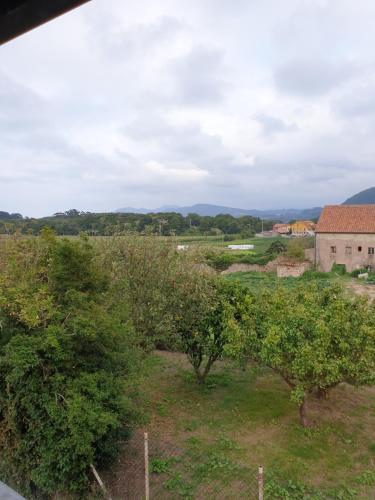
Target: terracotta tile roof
347, 219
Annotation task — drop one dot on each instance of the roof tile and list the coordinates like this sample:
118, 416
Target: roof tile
347, 219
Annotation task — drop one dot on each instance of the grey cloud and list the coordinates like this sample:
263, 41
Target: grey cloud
358, 102
121, 43
184, 142
272, 125
198, 77
310, 78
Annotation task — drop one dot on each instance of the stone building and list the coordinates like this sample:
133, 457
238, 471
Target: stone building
345, 234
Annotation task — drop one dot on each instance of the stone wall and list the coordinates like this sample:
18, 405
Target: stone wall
351, 250
294, 270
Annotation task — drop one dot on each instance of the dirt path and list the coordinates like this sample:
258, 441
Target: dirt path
362, 288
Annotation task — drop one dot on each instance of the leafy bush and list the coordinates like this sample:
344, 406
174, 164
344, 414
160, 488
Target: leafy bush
357, 272
229, 237
276, 248
222, 260
65, 353
296, 250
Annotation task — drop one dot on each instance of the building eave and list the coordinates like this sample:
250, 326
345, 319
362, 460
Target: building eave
17, 17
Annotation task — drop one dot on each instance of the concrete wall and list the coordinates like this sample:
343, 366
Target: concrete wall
354, 260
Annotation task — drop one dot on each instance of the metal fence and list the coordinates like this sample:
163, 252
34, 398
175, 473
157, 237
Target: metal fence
157, 469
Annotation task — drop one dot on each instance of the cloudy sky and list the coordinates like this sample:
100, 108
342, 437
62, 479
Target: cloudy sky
245, 103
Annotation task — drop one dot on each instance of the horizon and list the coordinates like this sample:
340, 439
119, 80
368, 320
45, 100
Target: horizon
152, 105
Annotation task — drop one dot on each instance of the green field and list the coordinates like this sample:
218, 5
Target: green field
207, 442
256, 281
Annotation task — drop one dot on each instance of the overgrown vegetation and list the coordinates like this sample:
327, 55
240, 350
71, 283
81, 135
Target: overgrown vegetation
79, 315
66, 354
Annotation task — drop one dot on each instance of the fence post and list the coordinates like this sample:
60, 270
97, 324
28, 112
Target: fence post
260, 483
100, 482
147, 480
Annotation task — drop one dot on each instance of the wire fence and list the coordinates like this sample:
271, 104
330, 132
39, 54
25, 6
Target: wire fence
159, 469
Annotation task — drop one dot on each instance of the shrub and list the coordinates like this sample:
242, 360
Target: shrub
66, 352
296, 250
357, 272
229, 237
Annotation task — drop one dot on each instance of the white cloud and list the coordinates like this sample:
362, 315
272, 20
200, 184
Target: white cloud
255, 104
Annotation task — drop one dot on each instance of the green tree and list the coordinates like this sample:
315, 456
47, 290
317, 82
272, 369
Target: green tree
145, 268
277, 247
66, 352
205, 309
314, 339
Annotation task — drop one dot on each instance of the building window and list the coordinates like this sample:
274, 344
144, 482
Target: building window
359, 249
371, 250
348, 250
333, 249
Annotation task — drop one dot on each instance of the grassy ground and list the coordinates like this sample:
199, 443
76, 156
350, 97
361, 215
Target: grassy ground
207, 442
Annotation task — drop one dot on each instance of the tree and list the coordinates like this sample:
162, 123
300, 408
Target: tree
144, 268
313, 338
205, 309
66, 353
277, 247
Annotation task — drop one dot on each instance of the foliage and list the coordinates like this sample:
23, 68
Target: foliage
145, 270
357, 272
222, 260
296, 250
204, 311
73, 222
66, 351
314, 339
277, 247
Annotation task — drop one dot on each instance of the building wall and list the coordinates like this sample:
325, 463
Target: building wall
325, 258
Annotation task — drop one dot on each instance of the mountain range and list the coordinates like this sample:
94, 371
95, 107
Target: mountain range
212, 210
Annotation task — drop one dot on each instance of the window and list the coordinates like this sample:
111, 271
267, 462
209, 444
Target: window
333, 249
359, 249
371, 250
348, 250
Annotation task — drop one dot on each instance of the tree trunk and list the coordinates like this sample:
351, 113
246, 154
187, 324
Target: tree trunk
322, 393
201, 375
303, 414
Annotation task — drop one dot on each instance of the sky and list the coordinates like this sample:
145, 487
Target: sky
244, 103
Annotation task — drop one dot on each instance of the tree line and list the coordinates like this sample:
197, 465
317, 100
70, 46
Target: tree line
74, 222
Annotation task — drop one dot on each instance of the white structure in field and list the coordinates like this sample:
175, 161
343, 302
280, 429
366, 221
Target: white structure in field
241, 247
182, 247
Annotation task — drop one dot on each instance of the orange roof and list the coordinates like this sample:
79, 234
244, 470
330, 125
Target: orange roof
347, 219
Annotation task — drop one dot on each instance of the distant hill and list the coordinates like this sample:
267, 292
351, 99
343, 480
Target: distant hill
366, 197
205, 209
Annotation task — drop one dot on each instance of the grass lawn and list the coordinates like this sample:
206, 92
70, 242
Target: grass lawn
207, 442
